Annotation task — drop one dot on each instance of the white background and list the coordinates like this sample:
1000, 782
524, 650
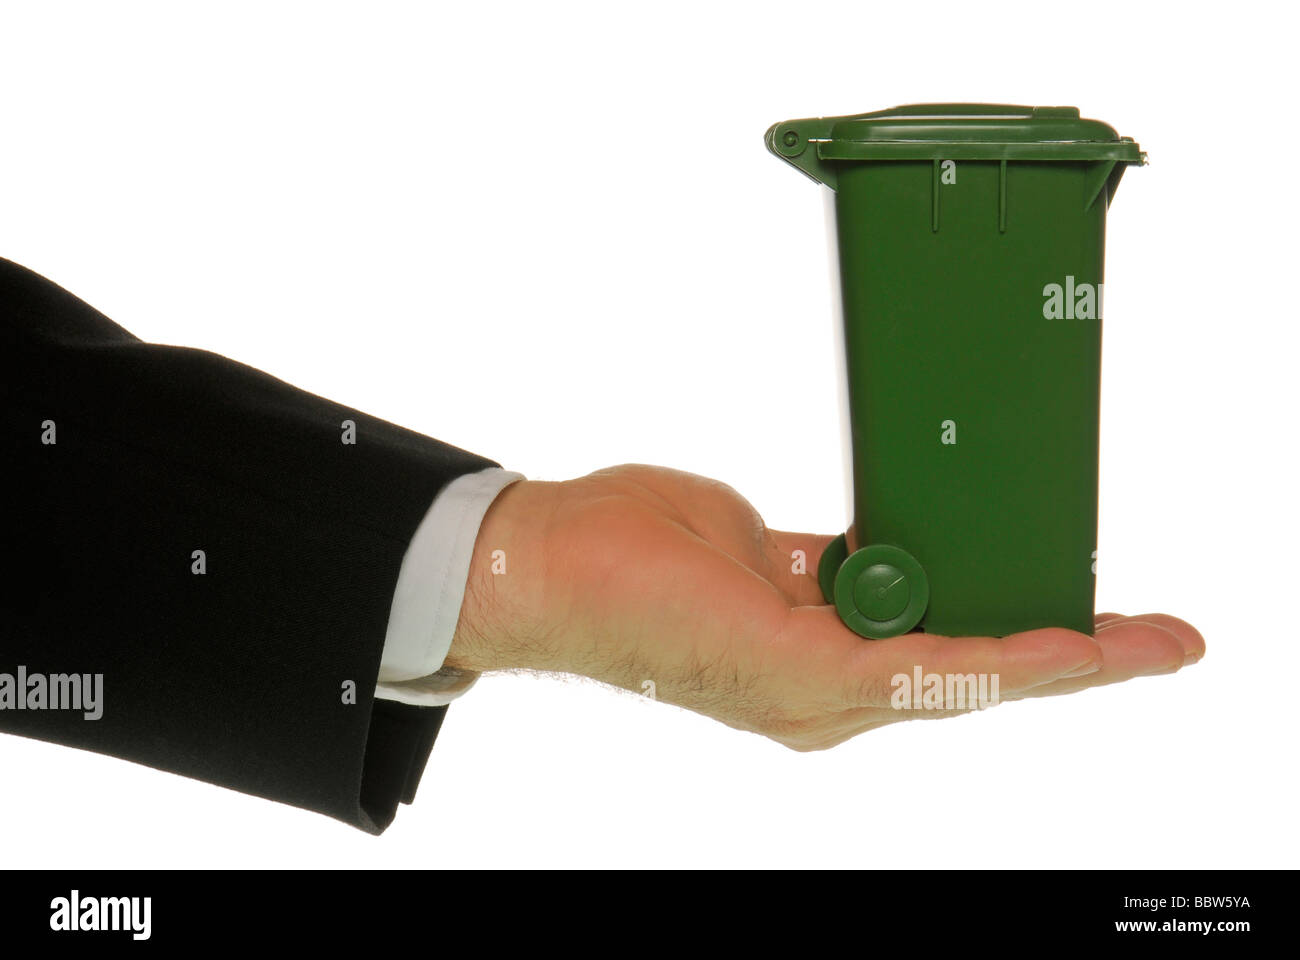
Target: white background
552, 234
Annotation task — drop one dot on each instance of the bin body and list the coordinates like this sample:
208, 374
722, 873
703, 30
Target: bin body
971, 242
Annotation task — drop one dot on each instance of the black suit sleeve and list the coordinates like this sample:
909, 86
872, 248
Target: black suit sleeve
238, 675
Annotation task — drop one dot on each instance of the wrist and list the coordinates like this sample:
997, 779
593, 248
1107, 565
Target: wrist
502, 624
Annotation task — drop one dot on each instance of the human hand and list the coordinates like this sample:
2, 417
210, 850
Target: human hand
637, 573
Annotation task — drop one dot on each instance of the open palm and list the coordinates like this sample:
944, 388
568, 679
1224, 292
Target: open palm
639, 575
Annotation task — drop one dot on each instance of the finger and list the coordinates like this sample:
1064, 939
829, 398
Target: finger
1018, 662
1103, 618
793, 559
1130, 648
866, 672
1192, 642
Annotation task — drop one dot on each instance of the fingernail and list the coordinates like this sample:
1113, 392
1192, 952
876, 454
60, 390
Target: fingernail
1092, 666
1162, 671
1191, 658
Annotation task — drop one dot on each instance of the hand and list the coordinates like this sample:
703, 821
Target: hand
638, 573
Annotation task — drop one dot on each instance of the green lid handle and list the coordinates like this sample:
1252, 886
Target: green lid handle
972, 110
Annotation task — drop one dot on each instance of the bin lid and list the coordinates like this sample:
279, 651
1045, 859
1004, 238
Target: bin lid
950, 131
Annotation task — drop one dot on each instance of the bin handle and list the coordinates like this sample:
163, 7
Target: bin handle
792, 140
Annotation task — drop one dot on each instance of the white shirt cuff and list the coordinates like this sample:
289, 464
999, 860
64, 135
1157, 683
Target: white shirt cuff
430, 590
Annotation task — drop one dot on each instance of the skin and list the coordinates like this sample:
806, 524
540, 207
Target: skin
637, 573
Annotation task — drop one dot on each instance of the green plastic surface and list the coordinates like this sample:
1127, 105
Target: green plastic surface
836, 552
971, 240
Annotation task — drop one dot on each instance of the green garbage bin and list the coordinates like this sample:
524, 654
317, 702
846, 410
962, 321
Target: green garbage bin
971, 241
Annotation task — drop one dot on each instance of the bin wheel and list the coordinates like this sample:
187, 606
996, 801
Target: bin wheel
881, 591
836, 552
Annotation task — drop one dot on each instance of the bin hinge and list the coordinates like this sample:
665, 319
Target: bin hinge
795, 142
